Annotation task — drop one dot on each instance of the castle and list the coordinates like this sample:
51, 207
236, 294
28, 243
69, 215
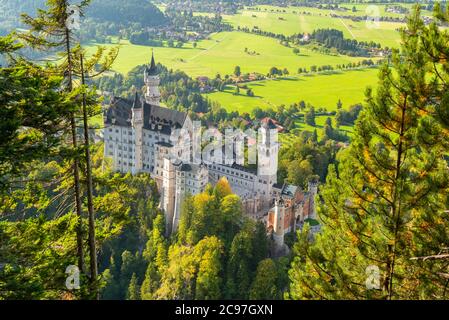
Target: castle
139, 137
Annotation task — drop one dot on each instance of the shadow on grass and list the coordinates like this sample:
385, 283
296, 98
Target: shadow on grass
290, 79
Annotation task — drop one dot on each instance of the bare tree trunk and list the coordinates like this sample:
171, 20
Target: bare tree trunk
90, 206
76, 176
397, 208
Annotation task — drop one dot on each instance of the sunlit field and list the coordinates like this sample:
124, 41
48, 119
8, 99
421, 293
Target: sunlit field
223, 51
321, 90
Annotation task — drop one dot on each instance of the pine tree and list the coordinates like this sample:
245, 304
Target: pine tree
310, 117
264, 286
384, 203
339, 104
51, 29
31, 117
208, 254
133, 289
156, 255
239, 275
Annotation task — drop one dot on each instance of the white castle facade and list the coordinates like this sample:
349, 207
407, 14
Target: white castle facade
139, 137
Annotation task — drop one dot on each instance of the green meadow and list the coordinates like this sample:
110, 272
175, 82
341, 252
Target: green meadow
293, 20
222, 52
321, 90
287, 138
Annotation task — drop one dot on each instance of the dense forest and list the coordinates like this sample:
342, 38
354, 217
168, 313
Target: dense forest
132, 11
332, 38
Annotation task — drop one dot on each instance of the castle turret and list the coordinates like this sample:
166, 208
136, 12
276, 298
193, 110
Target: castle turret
169, 186
137, 123
267, 162
152, 81
313, 191
279, 224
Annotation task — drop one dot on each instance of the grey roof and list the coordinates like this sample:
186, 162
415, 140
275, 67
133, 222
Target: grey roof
136, 104
119, 112
279, 186
186, 167
163, 116
163, 119
243, 168
164, 144
289, 190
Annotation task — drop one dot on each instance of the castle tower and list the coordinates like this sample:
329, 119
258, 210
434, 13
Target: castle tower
278, 223
313, 191
168, 200
152, 81
137, 123
267, 160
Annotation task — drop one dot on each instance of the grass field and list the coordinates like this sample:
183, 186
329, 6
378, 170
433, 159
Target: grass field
294, 21
321, 90
222, 52
287, 138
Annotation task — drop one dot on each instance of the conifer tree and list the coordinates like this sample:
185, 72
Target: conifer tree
264, 286
156, 255
133, 289
31, 116
384, 204
51, 29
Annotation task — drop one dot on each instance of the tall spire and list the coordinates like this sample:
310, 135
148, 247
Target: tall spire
152, 81
136, 101
152, 70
